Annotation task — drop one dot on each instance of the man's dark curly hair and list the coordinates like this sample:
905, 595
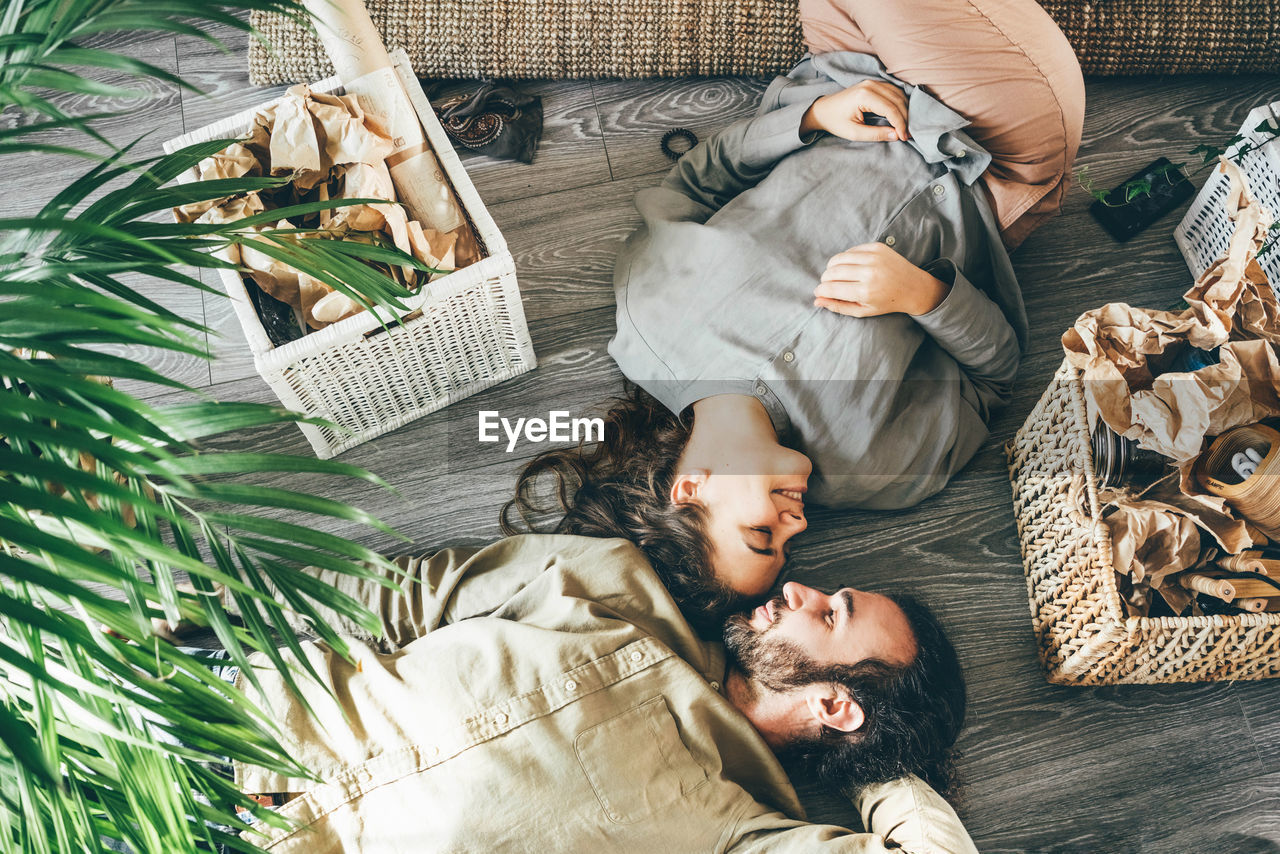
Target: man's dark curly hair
913, 713
621, 487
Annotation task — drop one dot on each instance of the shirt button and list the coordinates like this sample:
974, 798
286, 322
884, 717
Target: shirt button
890, 240
571, 686
761, 390
962, 153
788, 356
715, 686
500, 718
938, 190
637, 655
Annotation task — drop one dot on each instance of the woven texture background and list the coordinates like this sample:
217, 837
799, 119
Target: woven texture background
677, 38
1081, 629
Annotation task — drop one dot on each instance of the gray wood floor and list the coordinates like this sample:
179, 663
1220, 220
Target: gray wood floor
1190, 768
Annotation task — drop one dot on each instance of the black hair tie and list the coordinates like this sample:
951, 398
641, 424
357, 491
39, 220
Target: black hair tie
678, 133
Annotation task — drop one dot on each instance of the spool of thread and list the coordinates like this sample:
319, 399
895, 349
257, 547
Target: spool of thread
1229, 470
1249, 588
1253, 606
1244, 562
1219, 588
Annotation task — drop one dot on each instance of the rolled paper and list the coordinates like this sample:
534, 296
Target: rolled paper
364, 67
1216, 587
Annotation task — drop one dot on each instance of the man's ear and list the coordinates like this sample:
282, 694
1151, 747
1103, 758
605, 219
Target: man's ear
832, 706
687, 485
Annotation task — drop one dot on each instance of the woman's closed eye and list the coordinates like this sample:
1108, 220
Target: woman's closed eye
758, 539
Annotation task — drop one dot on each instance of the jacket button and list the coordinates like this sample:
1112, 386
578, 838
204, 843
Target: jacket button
636, 655
761, 390
961, 153
570, 686
890, 240
500, 718
715, 686
938, 189
788, 356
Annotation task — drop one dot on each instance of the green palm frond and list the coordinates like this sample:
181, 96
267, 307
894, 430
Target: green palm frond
109, 504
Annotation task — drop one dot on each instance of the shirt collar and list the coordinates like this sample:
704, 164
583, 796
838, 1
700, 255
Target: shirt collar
936, 129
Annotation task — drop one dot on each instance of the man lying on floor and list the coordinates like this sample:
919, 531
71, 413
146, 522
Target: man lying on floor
545, 694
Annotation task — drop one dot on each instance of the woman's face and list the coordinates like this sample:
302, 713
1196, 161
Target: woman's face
750, 517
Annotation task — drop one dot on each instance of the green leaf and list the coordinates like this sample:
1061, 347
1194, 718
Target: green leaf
1133, 189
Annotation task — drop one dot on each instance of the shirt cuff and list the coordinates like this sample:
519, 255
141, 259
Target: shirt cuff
962, 307
913, 817
776, 134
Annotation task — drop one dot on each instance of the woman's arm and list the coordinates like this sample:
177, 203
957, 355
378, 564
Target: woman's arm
741, 155
873, 279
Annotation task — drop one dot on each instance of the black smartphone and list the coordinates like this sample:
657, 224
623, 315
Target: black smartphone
1123, 218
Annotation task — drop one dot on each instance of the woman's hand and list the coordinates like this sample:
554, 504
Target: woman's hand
840, 114
872, 279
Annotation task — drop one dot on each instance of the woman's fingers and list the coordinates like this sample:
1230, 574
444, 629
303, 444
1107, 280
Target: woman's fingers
844, 113
888, 101
844, 291
864, 254
844, 273
849, 309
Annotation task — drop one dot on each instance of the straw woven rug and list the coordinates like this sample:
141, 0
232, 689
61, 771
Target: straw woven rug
661, 38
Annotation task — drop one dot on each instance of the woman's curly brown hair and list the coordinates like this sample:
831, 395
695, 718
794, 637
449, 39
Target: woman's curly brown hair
621, 487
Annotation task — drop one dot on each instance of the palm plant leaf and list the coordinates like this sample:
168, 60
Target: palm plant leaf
108, 504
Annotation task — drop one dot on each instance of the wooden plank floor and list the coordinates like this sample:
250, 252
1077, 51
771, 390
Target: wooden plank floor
1167, 770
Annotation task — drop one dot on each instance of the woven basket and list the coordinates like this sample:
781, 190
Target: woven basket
661, 38
460, 334
1205, 231
1083, 634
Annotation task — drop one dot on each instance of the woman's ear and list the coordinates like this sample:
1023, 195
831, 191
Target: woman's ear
687, 485
832, 706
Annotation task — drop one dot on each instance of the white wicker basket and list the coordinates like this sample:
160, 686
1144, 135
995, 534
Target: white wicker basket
460, 334
1205, 231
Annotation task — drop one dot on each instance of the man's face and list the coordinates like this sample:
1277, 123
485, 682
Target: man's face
781, 642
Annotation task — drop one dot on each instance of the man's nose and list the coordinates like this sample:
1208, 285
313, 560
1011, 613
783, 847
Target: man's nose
796, 595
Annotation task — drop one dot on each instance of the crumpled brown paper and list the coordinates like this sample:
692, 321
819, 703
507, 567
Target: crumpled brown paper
1159, 533
1117, 349
325, 143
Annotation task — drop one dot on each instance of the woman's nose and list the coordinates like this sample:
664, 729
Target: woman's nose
793, 521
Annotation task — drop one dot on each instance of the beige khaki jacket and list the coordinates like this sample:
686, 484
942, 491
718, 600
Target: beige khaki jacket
545, 694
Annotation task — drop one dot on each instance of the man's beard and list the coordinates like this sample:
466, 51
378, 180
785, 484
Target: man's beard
774, 663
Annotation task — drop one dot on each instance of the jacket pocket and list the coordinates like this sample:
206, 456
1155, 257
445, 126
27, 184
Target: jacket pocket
636, 762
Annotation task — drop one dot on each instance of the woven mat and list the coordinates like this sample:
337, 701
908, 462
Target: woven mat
518, 39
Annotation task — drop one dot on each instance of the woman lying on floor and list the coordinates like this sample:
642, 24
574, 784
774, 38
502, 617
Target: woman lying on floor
825, 287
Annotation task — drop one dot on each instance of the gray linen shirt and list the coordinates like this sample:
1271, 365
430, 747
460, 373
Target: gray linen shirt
715, 289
